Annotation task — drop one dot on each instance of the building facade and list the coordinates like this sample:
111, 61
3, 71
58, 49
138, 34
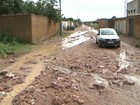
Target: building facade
133, 8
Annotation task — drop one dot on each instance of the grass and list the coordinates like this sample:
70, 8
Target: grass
12, 45
65, 34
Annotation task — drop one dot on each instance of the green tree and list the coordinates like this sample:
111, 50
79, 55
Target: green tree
41, 7
17, 6
29, 7
6, 6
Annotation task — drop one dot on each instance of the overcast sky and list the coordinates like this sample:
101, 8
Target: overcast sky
88, 10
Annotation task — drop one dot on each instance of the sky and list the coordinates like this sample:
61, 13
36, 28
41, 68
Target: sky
89, 10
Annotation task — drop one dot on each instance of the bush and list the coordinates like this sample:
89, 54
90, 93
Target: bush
11, 45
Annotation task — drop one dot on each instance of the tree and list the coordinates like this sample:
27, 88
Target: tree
41, 7
6, 6
29, 7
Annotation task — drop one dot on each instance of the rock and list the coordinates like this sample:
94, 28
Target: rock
53, 84
2, 73
31, 89
117, 82
10, 75
80, 101
58, 101
74, 87
3, 94
129, 82
1, 88
60, 79
11, 61
25, 67
101, 66
104, 71
99, 85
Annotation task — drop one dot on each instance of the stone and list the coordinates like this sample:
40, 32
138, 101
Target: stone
53, 84
129, 82
60, 79
101, 66
99, 85
3, 94
25, 67
1, 88
80, 101
104, 71
2, 73
10, 75
31, 89
11, 61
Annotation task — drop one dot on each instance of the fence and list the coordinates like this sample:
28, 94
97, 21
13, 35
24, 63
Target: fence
31, 28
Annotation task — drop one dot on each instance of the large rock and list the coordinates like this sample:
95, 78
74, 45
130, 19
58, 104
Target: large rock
129, 82
98, 85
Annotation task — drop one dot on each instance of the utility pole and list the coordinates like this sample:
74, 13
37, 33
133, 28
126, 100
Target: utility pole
60, 18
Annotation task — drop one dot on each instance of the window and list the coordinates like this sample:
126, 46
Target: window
134, 10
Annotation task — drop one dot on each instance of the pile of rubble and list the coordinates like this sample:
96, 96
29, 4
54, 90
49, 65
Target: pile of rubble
7, 81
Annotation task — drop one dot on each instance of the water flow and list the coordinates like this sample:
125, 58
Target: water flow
123, 63
75, 39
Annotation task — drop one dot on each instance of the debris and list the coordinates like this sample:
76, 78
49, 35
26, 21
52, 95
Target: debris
129, 82
3, 94
80, 101
11, 61
99, 85
31, 89
10, 75
2, 73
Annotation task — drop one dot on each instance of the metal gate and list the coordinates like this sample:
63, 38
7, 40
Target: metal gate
131, 27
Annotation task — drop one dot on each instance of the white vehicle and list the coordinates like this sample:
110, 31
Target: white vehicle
107, 37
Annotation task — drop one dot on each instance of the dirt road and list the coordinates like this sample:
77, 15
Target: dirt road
78, 72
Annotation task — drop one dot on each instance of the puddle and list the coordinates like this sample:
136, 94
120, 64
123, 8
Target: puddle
123, 63
95, 78
93, 30
75, 39
136, 79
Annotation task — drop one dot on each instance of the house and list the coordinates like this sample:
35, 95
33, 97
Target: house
133, 8
67, 24
133, 19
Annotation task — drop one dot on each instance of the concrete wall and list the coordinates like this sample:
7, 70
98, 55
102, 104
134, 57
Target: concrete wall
103, 23
136, 26
42, 28
19, 25
31, 28
106, 23
120, 25
133, 8
138, 6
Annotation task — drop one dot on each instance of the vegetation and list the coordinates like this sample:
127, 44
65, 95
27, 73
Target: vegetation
11, 45
41, 7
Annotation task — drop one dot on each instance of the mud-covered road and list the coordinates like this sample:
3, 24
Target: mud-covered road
75, 71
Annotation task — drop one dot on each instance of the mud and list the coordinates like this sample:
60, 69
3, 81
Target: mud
79, 74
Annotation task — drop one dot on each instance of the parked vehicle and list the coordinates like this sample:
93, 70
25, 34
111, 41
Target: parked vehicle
107, 37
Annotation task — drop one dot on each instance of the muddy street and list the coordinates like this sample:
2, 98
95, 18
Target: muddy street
75, 71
